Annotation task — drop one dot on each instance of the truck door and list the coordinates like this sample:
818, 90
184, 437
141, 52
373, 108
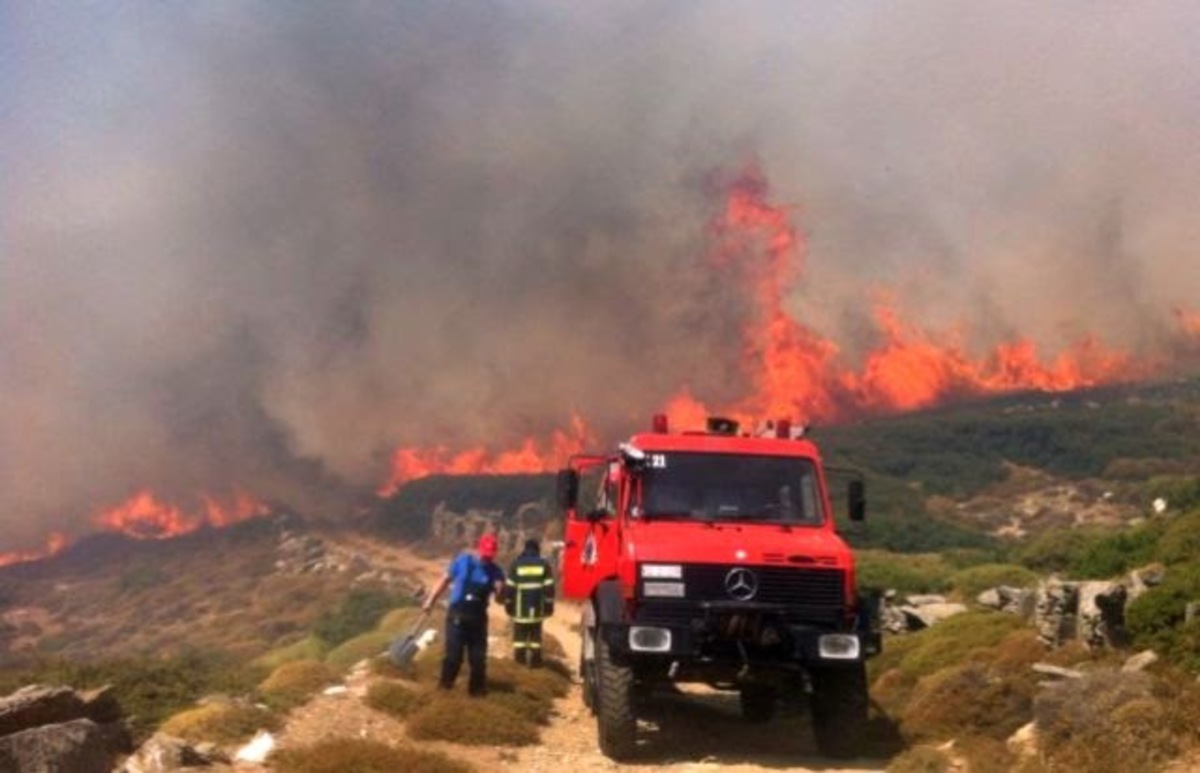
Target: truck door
589, 534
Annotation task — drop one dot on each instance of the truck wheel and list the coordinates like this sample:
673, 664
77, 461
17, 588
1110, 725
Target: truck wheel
839, 709
616, 720
758, 703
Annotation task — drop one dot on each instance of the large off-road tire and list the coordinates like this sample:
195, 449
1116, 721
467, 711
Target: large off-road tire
616, 720
839, 709
758, 703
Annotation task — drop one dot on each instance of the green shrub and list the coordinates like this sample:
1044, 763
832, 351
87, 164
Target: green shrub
293, 683
904, 572
1057, 550
222, 723
148, 689
308, 648
395, 699
1180, 541
1182, 493
346, 755
948, 643
451, 716
358, 613
1108, 554
970, 582
361, 647
399, 620
1156, 618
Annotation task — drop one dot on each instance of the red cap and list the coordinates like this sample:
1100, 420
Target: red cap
487, 546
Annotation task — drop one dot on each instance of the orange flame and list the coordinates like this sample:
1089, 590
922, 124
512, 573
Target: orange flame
410, 463
144, 516
792, 371
55, 543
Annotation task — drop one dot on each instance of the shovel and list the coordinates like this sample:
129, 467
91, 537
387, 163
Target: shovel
404, 648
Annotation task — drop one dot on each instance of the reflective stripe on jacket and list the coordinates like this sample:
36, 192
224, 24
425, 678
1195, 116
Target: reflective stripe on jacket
530, 592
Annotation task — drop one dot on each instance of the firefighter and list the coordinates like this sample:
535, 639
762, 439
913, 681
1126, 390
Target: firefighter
529, 599
472, 578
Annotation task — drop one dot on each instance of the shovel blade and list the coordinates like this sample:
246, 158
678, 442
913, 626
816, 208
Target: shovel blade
403, 650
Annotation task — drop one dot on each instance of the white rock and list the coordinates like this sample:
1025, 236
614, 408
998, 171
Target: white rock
258, 749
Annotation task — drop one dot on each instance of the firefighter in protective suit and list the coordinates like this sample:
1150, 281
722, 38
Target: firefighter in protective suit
529, 599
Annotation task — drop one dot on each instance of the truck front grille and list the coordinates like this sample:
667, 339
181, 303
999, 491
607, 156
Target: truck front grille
806, 595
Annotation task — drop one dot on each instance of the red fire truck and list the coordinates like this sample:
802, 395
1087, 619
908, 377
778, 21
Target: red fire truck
711, 557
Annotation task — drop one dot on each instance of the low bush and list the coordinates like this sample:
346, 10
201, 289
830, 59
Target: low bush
907, 573
293, 683
221, 723
1156, 618
308, 648
341, 755
967, 700
148, 689
452, 716
949, 642
1180, 542
1111, 553
361, 647
1110, 721
400, 620
396, 699
358, 613
970, 582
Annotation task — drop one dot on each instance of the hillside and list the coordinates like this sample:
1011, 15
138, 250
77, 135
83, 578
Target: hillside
976, 497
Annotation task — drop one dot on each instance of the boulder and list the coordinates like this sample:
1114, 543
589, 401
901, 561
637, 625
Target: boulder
75, 746
1006, 598
927, 615
1140, 661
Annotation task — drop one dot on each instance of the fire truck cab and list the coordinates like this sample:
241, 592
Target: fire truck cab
711, 557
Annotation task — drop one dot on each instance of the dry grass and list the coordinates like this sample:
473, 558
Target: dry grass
361, 647
969, 700
293, 683
308, 648
451, 716
921, 759
221, 723
352, 755
396, 699
1112, 721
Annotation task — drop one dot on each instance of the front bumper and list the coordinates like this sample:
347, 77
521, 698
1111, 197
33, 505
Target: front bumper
738, 633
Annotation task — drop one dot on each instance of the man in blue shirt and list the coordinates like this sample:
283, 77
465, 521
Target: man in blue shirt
472, 578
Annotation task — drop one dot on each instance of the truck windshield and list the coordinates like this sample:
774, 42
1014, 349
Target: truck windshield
718, 487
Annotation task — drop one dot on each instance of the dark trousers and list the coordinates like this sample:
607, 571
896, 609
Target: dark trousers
472, 637
527, 643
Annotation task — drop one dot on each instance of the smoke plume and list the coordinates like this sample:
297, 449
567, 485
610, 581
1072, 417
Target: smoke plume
257, 247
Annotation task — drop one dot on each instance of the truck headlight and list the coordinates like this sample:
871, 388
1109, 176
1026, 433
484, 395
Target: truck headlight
646, 639
662, 571
838, 646
668, 590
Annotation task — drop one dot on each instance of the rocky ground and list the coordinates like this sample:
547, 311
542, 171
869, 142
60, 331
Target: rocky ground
696, 731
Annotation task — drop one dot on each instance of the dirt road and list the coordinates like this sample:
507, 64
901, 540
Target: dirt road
694, 730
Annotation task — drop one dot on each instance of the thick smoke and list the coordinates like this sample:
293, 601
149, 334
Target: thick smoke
260, 246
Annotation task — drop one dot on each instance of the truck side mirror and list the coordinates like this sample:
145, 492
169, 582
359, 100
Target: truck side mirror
567, 489
856, 500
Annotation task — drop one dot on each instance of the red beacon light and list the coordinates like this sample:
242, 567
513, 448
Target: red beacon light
660, 423
783, 429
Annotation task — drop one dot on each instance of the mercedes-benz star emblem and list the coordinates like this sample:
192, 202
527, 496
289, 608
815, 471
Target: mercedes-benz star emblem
741, 584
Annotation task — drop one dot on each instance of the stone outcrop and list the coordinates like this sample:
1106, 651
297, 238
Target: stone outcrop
1092, 611
164, 753
57, 729
456, 531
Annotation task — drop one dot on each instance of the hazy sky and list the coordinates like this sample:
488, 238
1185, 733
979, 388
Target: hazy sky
261, 244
